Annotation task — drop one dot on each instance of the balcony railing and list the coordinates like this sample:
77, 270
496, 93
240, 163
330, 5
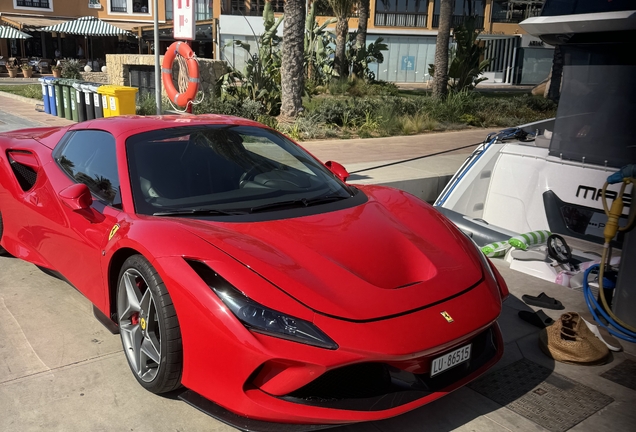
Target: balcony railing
33, 3
456, 20
514, 16
390, 19
249, 8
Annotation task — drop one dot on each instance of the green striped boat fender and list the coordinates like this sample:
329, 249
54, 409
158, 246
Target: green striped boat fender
497, 249
522, 241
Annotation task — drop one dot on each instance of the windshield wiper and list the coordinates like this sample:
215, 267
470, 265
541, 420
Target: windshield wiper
191, 212
302, 202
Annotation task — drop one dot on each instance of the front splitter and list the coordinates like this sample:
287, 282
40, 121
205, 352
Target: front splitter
243, 423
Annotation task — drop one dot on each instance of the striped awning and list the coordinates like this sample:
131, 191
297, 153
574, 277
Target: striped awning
87, 26
7, 32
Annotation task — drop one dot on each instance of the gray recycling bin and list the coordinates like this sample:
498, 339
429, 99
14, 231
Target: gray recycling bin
80, 101
88, 100
97, 99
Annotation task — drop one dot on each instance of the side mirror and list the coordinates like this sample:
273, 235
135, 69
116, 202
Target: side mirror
338, 170
77, 197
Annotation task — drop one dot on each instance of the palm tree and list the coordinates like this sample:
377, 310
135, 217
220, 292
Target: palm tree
342, 11
361, 37
292, 66
440, 81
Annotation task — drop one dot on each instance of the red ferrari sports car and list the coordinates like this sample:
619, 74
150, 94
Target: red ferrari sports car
236, 265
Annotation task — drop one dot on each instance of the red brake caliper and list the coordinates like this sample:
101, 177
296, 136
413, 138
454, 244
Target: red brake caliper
134, 319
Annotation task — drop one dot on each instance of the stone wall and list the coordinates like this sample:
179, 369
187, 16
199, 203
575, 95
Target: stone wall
96, 77
118, 67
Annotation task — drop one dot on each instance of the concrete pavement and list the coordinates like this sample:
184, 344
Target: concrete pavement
17, 112
60, 370
419, 164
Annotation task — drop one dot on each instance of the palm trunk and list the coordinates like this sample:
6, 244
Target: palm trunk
342, 32
361, 37
440, 81
292, 69
363, 18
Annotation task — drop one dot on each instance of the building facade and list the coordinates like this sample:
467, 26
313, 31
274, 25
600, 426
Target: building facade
408, 27
31, 15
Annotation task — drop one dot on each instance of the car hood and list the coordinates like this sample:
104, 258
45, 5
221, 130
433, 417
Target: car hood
388, 256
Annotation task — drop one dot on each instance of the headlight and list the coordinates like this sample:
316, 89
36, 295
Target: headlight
264, 320
259, 318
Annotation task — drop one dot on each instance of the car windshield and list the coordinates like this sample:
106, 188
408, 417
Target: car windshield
225, 170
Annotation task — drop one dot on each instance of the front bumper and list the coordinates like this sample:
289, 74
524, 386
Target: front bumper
404, 389
381, 368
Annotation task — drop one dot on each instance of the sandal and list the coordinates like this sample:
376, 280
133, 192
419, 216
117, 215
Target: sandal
542, 300
537, 319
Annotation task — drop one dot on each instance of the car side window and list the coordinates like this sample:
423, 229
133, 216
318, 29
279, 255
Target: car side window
90, 157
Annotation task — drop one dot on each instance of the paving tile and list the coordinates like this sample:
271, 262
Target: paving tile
623, 374
551, 400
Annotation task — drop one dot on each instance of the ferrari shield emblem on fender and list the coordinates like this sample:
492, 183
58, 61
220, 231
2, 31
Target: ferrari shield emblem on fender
447, 316
113, 231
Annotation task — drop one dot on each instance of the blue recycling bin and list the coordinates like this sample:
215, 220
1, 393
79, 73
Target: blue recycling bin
45, 95
50, 86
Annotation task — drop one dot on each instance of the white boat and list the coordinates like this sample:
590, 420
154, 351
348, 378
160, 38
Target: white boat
549, 175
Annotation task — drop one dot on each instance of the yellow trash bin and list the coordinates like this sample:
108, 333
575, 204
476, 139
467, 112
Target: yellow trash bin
118, 100
101, 91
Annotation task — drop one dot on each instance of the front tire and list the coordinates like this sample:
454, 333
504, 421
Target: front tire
2, 251
149, 327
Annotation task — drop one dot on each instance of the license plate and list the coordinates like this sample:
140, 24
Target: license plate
449, 360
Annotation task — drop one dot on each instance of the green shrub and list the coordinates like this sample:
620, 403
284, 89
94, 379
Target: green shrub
471, 120
146, 105
417, 123
71, 69
339, 86
306, 127
247, 108
268, 120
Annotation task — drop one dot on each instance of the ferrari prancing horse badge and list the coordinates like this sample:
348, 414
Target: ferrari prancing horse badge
113, 231
447, 316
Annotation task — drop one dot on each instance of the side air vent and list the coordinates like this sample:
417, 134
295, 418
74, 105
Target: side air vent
25, 175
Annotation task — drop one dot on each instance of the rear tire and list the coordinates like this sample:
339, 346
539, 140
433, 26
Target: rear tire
149, 327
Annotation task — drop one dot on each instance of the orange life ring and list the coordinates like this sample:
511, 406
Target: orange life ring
184, 50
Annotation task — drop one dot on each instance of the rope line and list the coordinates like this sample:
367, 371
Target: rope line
183, 78
415, 158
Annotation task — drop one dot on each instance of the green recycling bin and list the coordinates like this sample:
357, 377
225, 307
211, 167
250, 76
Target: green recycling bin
73, 99
59, 98
66, 98
80, 101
